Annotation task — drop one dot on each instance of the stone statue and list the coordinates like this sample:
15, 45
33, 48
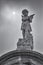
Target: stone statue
26, 20
27, 41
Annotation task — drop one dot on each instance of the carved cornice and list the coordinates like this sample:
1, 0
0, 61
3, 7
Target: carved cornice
31, 54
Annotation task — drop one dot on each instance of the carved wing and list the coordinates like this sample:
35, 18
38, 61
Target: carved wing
31, 17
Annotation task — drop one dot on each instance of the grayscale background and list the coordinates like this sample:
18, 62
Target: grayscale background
10, 23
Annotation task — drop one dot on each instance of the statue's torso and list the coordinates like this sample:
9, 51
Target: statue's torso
26, 23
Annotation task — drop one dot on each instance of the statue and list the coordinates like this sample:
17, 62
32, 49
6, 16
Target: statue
27, 41
26, 20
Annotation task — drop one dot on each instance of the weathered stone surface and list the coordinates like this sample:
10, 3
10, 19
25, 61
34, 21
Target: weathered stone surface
25, 44
23, 57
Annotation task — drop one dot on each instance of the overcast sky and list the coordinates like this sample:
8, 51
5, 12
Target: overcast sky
10, 23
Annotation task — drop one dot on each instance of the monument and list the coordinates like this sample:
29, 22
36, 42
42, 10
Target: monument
24, 54
27, 41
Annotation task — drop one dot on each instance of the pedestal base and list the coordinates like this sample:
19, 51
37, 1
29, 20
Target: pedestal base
25, 44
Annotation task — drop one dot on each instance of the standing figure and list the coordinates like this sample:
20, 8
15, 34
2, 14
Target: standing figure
26, 20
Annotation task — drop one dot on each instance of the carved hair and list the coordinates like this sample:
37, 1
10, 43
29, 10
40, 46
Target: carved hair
25, 12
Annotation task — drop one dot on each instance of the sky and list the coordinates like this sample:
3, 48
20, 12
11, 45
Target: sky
10, 23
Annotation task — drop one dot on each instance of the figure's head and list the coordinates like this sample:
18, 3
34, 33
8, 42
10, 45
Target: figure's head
25, 12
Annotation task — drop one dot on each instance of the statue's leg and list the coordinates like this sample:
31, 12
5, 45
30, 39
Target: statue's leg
23, 32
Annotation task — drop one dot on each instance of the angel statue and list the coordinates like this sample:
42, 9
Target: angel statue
26, 20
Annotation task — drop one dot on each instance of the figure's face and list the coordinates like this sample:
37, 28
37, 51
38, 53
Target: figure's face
25, 14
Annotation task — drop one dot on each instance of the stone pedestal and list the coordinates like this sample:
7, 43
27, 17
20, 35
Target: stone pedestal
25, 44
